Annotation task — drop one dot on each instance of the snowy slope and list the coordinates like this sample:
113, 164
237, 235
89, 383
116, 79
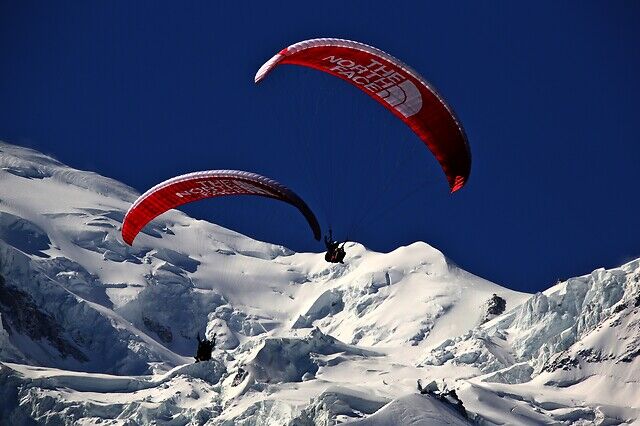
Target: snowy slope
93, 329
572, 352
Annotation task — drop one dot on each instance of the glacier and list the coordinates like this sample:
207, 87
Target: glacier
93, 331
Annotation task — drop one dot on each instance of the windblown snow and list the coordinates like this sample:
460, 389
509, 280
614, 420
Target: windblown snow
95, 331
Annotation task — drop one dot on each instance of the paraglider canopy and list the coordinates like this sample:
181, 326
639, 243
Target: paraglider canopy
207, 184
396, 86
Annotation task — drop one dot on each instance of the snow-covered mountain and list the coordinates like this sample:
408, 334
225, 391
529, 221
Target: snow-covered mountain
94, 330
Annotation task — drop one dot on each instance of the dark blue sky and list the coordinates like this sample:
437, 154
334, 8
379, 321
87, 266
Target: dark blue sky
547, 92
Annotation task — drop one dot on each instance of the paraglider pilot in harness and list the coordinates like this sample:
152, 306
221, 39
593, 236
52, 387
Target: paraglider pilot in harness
205, 347
335, 251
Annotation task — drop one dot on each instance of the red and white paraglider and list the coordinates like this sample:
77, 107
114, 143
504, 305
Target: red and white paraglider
396, 86
207, 184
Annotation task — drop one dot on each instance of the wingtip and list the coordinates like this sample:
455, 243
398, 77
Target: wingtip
458, 183
267, 67
126, 238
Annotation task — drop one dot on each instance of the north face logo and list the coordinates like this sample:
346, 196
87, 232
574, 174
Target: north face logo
405, 98
211, 187
390, 84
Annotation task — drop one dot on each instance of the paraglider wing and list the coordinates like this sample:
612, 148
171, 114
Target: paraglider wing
200, 185
396, 86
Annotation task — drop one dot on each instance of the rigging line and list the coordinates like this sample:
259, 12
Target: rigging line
376, 163
332, 178
321, 165
306, 154
390, 180
367, 218
397, 203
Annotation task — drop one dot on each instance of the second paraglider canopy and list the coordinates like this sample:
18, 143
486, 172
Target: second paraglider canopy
207, 184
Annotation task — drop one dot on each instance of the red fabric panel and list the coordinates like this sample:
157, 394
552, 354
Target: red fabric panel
197, 186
